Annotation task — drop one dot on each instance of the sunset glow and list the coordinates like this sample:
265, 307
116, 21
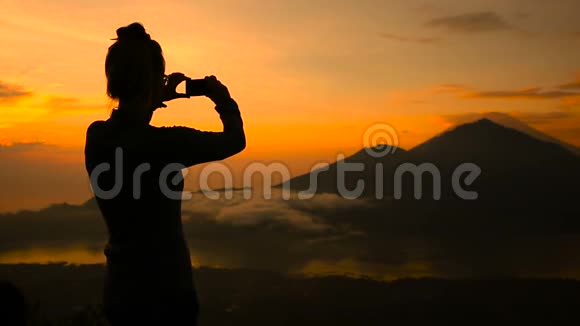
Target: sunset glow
309, 76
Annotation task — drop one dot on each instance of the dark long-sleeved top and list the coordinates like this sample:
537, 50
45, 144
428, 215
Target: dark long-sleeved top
135, 174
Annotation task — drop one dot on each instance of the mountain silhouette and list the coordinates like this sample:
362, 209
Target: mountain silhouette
513, 165
509, 121
326, 178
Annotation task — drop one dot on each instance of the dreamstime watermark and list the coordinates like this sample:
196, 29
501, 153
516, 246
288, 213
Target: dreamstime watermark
379, 140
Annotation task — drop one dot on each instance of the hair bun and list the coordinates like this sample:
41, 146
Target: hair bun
133, 32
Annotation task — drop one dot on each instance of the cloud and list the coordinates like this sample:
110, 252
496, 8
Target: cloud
71, 105
399, 38
20, 147
572, 86
9, 91
544, 117
57, 226
261, 212
477, 22
534, 93
54, 103
564, 91
327, 202
298, 215
568, 93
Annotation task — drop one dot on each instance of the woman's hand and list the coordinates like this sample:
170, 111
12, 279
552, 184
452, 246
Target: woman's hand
169, 91
215, 90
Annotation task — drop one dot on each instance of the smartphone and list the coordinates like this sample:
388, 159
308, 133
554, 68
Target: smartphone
195, 87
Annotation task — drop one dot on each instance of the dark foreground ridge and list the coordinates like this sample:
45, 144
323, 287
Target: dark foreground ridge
60, 294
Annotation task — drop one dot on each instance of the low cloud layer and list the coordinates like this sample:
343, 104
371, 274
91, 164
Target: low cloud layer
311, 216
259, 233
324, 234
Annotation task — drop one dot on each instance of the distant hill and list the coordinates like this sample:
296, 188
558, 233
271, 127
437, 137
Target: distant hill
513, 164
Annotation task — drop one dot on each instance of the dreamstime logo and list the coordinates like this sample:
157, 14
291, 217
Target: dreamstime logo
379, 140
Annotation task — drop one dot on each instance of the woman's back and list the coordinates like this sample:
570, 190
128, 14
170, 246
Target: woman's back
135, 171
146, 242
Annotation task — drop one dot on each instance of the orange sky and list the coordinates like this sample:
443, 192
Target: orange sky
309, 76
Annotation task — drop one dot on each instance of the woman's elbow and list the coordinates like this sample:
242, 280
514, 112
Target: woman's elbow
240, 144
235, 146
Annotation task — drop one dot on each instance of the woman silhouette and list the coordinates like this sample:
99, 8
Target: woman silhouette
135, 173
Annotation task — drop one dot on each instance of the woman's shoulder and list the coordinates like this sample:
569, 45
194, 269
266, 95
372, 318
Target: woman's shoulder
95, 130
95, 126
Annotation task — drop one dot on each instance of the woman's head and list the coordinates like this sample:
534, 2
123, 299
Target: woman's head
134, 66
